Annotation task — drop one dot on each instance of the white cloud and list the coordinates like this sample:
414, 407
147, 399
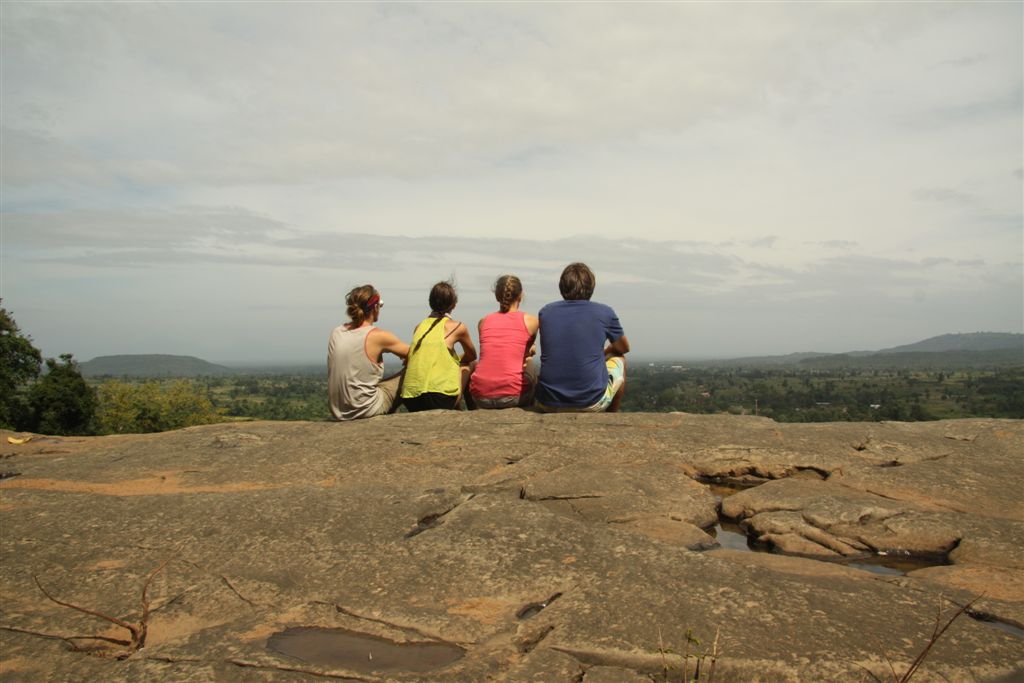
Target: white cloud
746, 155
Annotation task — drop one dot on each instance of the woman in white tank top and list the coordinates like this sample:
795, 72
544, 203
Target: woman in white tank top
355, 355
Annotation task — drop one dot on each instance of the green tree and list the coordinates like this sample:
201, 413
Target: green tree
19, 365
61, 402
149, 407
187, 404
128, 408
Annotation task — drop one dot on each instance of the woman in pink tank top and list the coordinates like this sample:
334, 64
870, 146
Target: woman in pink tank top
505, 375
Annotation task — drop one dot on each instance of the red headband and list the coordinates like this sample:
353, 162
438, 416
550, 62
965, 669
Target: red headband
373, 300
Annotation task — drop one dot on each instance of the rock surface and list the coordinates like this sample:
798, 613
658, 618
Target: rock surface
536, 547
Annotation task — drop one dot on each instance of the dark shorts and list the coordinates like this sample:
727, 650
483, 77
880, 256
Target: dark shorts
430, 401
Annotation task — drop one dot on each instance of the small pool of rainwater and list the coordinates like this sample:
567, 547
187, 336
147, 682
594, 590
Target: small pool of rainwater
732, 536
338, 647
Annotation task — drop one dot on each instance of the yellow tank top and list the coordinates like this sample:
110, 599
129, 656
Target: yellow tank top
433, 368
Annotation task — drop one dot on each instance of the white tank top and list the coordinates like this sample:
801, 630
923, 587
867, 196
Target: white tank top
352, 378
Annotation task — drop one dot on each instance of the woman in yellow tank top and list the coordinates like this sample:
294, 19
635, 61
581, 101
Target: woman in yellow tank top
435, 377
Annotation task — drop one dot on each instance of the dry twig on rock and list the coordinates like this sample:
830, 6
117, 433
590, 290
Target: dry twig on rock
137, 631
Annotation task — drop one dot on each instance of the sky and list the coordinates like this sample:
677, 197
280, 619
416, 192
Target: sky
211, 179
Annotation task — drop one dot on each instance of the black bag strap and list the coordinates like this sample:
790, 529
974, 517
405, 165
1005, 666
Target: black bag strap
429, 330
454, 330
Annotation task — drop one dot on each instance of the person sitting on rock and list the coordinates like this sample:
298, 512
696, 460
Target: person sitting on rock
506, 374
435, 377
578, 373
355, 355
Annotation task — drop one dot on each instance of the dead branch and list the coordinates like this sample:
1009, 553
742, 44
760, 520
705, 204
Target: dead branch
138, 631
936, 634
100, 615
69, 640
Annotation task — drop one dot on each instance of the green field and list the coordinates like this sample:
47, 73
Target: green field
784, 393
794, 394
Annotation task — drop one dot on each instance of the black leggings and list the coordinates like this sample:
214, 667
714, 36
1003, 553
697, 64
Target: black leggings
430, 401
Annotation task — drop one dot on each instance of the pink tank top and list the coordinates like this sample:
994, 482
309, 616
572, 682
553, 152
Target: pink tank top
503, 340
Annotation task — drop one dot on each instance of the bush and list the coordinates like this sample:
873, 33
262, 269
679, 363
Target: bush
149, 407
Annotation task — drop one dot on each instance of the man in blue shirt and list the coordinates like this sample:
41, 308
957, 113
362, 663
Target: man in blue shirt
578, 372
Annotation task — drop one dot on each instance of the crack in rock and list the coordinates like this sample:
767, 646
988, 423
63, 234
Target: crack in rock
820, 471
534, 608
235, 591
957, 437
1003, 624
433, 520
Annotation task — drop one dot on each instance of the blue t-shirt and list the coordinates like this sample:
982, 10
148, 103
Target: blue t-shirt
572, 341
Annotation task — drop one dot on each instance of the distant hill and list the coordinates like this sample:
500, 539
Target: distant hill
976, 350
973, 341
152, 365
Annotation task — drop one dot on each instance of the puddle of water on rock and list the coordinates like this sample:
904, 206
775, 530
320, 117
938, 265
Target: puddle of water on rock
723, 489
534, 608
338, 647
895, 565
731, 536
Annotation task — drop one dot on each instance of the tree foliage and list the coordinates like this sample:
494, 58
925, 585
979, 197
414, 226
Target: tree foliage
60, 402
19, 364
126, 408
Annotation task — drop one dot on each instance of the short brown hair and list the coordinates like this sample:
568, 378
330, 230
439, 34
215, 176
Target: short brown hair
577, 282
443, 297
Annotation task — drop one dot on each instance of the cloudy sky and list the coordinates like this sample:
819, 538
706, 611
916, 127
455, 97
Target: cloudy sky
211, 178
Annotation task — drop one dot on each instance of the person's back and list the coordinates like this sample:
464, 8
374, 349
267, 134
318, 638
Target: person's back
435, 377
352, 378
431, 368
572, 359
578, 371
355, 368
505, 375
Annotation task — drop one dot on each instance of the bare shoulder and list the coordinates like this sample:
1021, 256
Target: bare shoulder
532, 322
383, 337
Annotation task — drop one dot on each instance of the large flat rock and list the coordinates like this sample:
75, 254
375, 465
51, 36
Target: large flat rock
512, 546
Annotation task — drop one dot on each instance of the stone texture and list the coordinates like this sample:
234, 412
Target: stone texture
549, 547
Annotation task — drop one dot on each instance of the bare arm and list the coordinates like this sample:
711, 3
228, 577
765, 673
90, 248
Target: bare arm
532, 323
619, 347
381, 341
468, 350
